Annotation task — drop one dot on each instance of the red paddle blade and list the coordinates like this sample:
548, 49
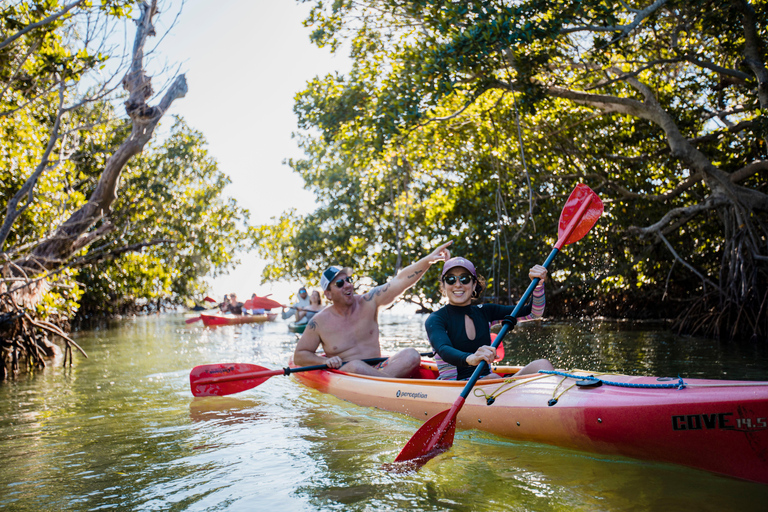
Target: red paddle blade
264, 303
193, 319
227, 378
209, 299
429, 441
581, 199
248, 304
433, 438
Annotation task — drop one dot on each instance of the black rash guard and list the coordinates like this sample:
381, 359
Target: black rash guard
448, 334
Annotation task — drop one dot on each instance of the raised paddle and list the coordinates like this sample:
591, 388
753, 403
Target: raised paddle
264, 303
228, 378
581, 211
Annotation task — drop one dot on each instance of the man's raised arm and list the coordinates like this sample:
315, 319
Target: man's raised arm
387, 293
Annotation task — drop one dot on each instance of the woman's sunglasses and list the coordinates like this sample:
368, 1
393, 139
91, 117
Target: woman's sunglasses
463, 279
340, 282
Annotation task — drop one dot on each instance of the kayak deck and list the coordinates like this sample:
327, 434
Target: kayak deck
718, 426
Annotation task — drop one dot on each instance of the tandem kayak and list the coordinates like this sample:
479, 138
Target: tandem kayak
213, 320
297, 328
715, 425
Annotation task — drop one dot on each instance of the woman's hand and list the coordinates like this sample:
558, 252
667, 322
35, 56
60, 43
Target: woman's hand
485, 353
538, 271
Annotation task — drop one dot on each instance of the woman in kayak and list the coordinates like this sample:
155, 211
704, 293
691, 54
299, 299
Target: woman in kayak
460, 332
315, 306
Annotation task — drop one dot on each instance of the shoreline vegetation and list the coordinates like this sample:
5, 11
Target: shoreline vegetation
463, 122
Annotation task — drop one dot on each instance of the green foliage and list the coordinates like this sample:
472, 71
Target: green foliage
473, 121
171, 225
172, 204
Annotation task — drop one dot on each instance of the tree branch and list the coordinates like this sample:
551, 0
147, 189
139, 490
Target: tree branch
13, 212
64, 242
40, 23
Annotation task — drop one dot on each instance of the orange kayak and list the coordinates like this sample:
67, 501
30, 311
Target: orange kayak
212, 320
715, 425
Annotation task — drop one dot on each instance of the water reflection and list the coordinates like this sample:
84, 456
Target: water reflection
224, 410
122, 431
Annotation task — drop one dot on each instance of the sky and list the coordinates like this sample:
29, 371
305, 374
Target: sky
244, 62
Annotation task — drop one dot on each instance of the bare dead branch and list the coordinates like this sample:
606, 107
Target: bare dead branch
712, 202
59, 247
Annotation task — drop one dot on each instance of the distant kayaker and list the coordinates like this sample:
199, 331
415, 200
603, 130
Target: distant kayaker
315, 306
460, 332
348, 330
254, 311
300, 304
233, 306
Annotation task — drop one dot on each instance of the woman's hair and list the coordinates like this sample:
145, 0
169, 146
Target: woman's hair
319, 297
479, 288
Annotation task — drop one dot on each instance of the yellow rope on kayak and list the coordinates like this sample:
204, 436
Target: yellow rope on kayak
489, 399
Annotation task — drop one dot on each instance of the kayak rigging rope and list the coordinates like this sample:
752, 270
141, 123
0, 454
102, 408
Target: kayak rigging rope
679, 385
503, 388
589, 381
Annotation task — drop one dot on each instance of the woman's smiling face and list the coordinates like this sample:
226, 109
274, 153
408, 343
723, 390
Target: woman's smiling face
458, 285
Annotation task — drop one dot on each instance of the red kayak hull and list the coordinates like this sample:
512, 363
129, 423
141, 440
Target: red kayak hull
717, 426
214, 320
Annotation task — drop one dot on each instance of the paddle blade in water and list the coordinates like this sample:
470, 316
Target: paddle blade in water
193, 319
227, 378
585, 204
433, 438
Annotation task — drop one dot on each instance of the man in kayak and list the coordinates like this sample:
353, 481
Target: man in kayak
348, 330
298, 306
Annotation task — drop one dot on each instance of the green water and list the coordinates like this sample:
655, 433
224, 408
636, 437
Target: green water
121, 430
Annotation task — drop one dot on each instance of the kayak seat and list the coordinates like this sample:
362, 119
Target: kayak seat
427, 370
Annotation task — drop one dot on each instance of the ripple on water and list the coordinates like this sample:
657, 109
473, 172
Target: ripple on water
122, 431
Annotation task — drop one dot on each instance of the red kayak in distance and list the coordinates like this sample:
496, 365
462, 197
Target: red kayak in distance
214, 320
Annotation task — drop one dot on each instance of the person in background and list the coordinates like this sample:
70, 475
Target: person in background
315, 306
257, 311
296, 307
234, 307
460, 332
348, 329
224, 304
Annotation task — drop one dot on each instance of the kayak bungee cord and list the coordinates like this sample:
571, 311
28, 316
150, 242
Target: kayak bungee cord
679, 385
582, 380
489, 399
588, 381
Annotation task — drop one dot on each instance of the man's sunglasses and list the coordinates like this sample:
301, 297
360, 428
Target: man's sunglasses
463, 279
340, 282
